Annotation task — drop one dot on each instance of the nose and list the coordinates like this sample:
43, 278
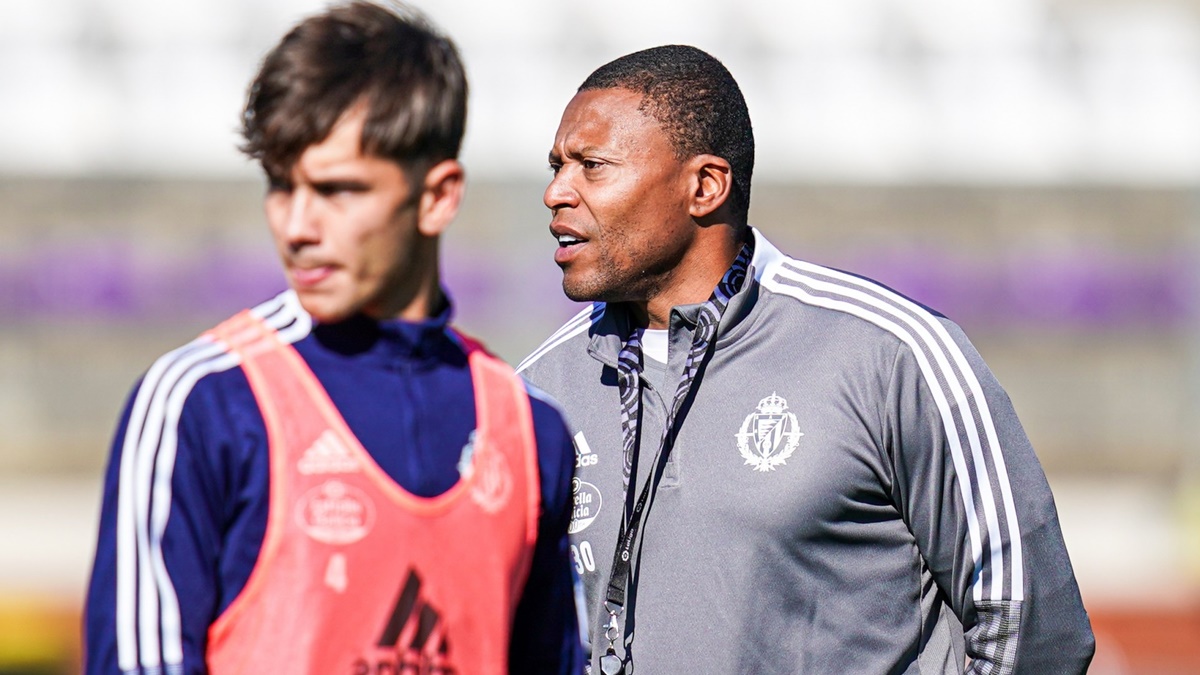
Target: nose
299, 218
559, 192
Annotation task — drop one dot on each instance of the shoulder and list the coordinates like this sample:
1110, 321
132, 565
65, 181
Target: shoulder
187, 383
856, 310
859, 304
563, 344
192, 412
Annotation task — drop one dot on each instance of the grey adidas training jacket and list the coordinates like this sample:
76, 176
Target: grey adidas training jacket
850, 491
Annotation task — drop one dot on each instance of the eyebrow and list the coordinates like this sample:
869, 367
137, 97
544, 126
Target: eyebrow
589, 150
340, 184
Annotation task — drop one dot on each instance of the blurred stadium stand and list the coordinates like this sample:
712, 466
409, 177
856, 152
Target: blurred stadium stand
1028, 167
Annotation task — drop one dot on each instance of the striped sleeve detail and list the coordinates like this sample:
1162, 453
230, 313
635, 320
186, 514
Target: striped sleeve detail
979, 465
149, 630
996, 638
578, 324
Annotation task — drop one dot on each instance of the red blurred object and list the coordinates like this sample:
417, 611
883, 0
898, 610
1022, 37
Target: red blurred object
1146, 641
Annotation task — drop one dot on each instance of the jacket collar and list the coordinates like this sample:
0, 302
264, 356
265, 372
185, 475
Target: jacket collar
609, 330
362, 337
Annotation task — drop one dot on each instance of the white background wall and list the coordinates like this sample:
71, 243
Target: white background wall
855, 90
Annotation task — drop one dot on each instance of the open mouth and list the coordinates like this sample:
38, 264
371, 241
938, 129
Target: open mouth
568, 246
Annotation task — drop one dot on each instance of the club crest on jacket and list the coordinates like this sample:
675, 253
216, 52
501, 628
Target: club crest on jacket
769, 435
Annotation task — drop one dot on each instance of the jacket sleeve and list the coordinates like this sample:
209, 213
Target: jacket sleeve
975, 497
155, 583
546, 637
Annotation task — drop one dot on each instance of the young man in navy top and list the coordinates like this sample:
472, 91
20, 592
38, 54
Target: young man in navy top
356, 118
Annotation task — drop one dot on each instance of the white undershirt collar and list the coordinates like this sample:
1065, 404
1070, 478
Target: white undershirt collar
654, 344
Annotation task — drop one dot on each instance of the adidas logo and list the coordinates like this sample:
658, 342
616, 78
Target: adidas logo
327, 455
583, 453
415, 633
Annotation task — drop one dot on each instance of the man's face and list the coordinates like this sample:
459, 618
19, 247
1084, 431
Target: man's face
345, 225
619, 198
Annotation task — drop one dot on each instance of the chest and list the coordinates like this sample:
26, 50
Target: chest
781, 443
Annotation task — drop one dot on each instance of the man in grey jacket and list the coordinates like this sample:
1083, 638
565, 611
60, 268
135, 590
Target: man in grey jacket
781, 468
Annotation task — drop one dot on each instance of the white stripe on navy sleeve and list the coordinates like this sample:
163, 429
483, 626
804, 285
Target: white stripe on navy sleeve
148, 630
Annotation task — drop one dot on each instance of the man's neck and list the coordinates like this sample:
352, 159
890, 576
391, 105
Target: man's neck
693, 279
420, 298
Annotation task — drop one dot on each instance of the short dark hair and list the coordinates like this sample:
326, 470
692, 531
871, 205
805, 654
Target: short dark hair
697, 102
393, 60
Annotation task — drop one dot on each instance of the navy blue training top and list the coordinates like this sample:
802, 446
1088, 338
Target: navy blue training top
186, 489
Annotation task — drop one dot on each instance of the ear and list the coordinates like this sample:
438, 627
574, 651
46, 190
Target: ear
442, 192
712, 183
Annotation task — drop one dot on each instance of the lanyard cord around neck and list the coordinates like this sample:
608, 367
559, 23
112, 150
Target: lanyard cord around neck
629, 365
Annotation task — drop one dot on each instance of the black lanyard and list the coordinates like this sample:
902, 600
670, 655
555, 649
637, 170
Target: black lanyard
629, 363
